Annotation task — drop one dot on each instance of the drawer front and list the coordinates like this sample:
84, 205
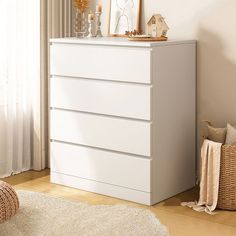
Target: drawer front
110, 133
118, 99
101, 166
107, 63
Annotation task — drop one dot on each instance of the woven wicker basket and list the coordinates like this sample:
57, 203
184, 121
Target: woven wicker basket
227, 188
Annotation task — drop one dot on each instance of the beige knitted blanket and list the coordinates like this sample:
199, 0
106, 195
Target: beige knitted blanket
210, 175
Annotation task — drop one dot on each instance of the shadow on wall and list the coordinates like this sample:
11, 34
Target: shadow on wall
216, 81
216, 84
216, 36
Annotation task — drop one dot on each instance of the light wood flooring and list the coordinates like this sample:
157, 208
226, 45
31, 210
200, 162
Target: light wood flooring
179, 220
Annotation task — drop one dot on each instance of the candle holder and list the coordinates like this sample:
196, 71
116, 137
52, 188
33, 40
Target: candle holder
90, 28
98, 31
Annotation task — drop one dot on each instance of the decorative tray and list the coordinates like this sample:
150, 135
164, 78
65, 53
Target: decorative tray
147, 39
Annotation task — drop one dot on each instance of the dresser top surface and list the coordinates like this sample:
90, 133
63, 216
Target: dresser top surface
116, 41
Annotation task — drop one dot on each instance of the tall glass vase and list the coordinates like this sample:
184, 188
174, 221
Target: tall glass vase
80, 28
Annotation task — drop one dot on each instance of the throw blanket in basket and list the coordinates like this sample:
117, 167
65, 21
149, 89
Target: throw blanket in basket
210, 175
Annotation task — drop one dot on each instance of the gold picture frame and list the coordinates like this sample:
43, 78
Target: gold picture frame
129, 11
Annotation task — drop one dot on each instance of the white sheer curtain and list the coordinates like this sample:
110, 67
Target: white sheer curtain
19, 75
25, 29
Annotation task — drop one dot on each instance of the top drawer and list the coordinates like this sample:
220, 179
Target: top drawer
101, 62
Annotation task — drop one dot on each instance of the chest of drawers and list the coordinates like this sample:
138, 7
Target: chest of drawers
122, 117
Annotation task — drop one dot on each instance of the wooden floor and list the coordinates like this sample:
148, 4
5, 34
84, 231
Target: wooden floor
179, 220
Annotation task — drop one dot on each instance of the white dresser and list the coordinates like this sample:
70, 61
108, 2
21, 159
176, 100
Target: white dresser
122, 117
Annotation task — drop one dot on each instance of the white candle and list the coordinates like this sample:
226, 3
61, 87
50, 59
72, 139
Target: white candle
91, 16
99, 8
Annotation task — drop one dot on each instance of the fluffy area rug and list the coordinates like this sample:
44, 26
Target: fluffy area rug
43, 215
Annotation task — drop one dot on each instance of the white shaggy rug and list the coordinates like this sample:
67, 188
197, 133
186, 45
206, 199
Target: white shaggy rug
43, 215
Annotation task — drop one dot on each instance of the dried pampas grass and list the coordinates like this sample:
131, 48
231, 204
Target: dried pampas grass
81, 5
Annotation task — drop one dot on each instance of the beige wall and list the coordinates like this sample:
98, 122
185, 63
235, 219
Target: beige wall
212, 23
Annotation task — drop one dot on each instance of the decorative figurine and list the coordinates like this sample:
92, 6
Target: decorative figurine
157, 26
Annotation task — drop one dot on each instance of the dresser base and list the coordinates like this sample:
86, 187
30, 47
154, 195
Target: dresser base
102, 188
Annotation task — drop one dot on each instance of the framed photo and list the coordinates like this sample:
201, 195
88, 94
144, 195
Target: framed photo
124, 16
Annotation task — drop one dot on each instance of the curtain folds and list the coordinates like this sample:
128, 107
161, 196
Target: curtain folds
26, 27
19, 69
56, 21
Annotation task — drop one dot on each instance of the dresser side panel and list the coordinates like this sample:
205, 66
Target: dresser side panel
174, 120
